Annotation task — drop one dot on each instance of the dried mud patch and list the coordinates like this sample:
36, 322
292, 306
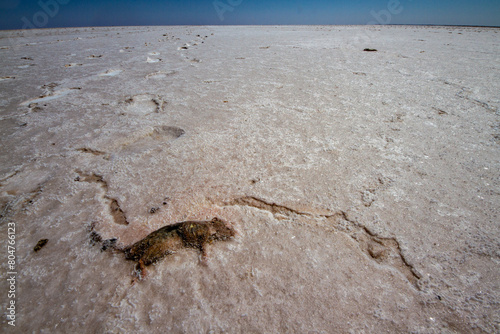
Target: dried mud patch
151, 140
167, 132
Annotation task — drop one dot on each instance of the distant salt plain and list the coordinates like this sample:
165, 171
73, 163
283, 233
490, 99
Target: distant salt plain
364, 186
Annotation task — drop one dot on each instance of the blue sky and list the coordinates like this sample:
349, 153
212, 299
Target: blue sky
18, 14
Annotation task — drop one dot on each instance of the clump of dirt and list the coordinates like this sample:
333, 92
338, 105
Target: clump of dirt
40, 244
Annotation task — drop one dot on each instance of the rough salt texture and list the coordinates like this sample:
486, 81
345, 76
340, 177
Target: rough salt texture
364, 186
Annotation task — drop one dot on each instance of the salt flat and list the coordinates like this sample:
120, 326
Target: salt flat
364, 186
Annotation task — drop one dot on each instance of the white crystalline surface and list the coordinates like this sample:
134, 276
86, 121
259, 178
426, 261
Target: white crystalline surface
364, 186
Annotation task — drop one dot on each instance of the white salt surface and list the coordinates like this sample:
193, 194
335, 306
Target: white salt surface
110, 73
53, 96
152, 60
364, 186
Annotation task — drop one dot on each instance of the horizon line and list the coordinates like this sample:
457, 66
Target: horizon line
263, 25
